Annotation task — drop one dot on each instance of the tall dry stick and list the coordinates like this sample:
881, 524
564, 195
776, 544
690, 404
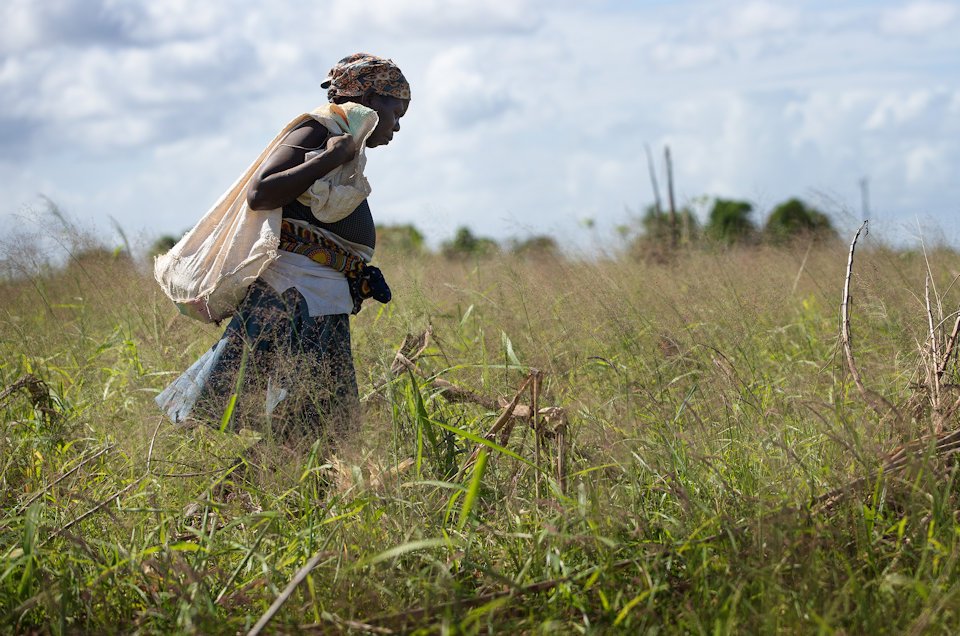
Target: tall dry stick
288, 591
845, 336
653, 181
562, 458
803, 264
502, 421
537, 433
673, 205
845, 315
934, 377
949, 348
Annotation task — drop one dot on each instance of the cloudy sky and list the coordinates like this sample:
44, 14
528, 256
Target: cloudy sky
528, 116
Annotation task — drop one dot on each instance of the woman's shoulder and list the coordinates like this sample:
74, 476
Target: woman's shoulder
309, 134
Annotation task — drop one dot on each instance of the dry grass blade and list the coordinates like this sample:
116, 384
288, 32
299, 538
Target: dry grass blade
412, 348
324, 628
498, 425
98, 507
946, 445
934, 377
153, 440
65, 475
538, 434
951, 343
288, 591
409, 618
447, 390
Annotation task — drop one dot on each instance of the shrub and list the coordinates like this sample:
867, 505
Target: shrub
465, 243
730, 221
794, 218
403, 239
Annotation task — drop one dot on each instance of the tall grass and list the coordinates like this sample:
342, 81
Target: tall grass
707, 407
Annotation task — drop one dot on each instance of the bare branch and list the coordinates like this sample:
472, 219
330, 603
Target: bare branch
845, 336
951, 343
506, 416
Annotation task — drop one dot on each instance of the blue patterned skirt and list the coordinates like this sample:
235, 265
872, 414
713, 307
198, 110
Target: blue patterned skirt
283, 370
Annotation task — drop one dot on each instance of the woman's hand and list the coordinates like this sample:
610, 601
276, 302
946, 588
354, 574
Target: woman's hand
343, 147
287, 173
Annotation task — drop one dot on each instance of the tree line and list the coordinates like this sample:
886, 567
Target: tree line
729, 222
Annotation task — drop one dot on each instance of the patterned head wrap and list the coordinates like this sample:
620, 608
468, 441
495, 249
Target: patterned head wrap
354, 74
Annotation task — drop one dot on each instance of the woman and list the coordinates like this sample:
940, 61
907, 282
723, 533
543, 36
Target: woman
286, 352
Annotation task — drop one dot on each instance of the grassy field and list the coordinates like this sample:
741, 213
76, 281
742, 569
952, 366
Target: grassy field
707, 404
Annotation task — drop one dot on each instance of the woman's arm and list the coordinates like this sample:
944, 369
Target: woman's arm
285, 175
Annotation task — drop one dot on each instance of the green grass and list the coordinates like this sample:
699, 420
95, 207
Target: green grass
707, 404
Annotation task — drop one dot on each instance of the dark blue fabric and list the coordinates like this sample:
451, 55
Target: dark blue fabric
309, 357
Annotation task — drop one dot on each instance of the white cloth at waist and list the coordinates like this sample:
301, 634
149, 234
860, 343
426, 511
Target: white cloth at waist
325, 289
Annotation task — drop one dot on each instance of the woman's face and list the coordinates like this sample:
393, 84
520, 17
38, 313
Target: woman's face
390, 110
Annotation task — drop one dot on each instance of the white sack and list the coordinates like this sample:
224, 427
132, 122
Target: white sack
208, 271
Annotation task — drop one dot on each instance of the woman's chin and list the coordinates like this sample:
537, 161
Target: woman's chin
373, 143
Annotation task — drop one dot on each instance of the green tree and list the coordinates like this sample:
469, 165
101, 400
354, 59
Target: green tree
656, 226
535, 246
162, 245
794, 218
653, 243
401, 239
729, 221
465, 243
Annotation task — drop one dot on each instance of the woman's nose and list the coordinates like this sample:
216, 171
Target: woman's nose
396, 127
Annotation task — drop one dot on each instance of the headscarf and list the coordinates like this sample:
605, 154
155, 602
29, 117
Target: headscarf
354, 74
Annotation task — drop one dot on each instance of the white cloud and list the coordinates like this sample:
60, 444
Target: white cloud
822, 118
151, 21
105, 99
26, 25
918, 18
464, 93
525, 115
924, 162
758, 18
676, 57
898, 109
436, 17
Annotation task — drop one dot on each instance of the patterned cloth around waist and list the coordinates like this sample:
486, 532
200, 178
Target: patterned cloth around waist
358, 227
365, 280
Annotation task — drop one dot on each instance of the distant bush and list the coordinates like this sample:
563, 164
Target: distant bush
401, 239
794, 218
535, 246
729, 221
656, 225
162, 245
654, 241
464, 243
